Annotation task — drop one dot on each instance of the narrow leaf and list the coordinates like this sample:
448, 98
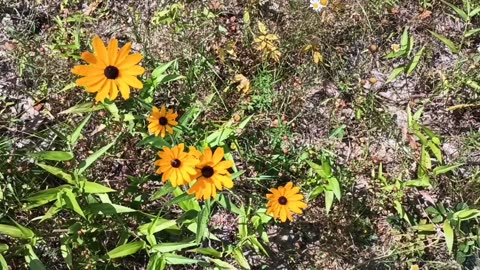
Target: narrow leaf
73, 138
53, 155
126, 249
445, 41
444, 169
169, 247
460, 12
92, 158
395, 73
57, 172
449, 235
416, 59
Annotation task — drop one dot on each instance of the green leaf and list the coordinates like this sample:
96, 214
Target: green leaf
3, 248
156, 262
238, 255
94, 188
425, 159
472, 32
449, 235
45, 196
318, 169
126, 249
3, 263
445, 41
157, 225
223, 265
444, 169
57, 172
404, 40
108, 209
164, 190
395, 73
425, 228
436, 151
72, 203
416, 59
92, 158
174, 259
474, 12
14, 232
32, 260
202, 222
246, 17
398, 206
335, 186
82, 108
473, 85
329, 195
411, 41
154, 141
160, 69
180, 198
466, 214
227, 204
460, 12
219, 136
169, 78
169, 247
73, 138
206, 251
53, 155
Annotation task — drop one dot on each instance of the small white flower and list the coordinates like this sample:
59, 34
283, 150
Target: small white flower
317, 5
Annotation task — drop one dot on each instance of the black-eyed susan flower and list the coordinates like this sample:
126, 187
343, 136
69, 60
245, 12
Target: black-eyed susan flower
161, 121
110, 70
317, 5
212, 174
284, 200
176, 165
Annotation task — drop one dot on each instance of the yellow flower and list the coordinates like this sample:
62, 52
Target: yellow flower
109, 70
212, 174
161, 121
284, 200
414, 267
176, 165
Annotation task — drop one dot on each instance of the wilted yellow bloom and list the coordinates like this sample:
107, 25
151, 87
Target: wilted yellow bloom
244, 83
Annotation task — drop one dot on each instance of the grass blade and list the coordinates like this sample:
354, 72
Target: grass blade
445, 41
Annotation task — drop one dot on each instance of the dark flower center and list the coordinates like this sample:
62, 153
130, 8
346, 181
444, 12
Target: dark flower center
282, 200
163, 121
111, 72
207, 171
175, 163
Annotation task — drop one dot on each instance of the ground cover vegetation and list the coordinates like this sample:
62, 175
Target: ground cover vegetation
225, 134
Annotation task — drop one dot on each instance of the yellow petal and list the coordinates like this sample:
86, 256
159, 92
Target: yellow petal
218, 155
102, 94
112, 51
124, 89
87, 70
130, 61
100, 50
132, 81
134, 70
122, 54
89, 57
89, 81
113, 90
96, 87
